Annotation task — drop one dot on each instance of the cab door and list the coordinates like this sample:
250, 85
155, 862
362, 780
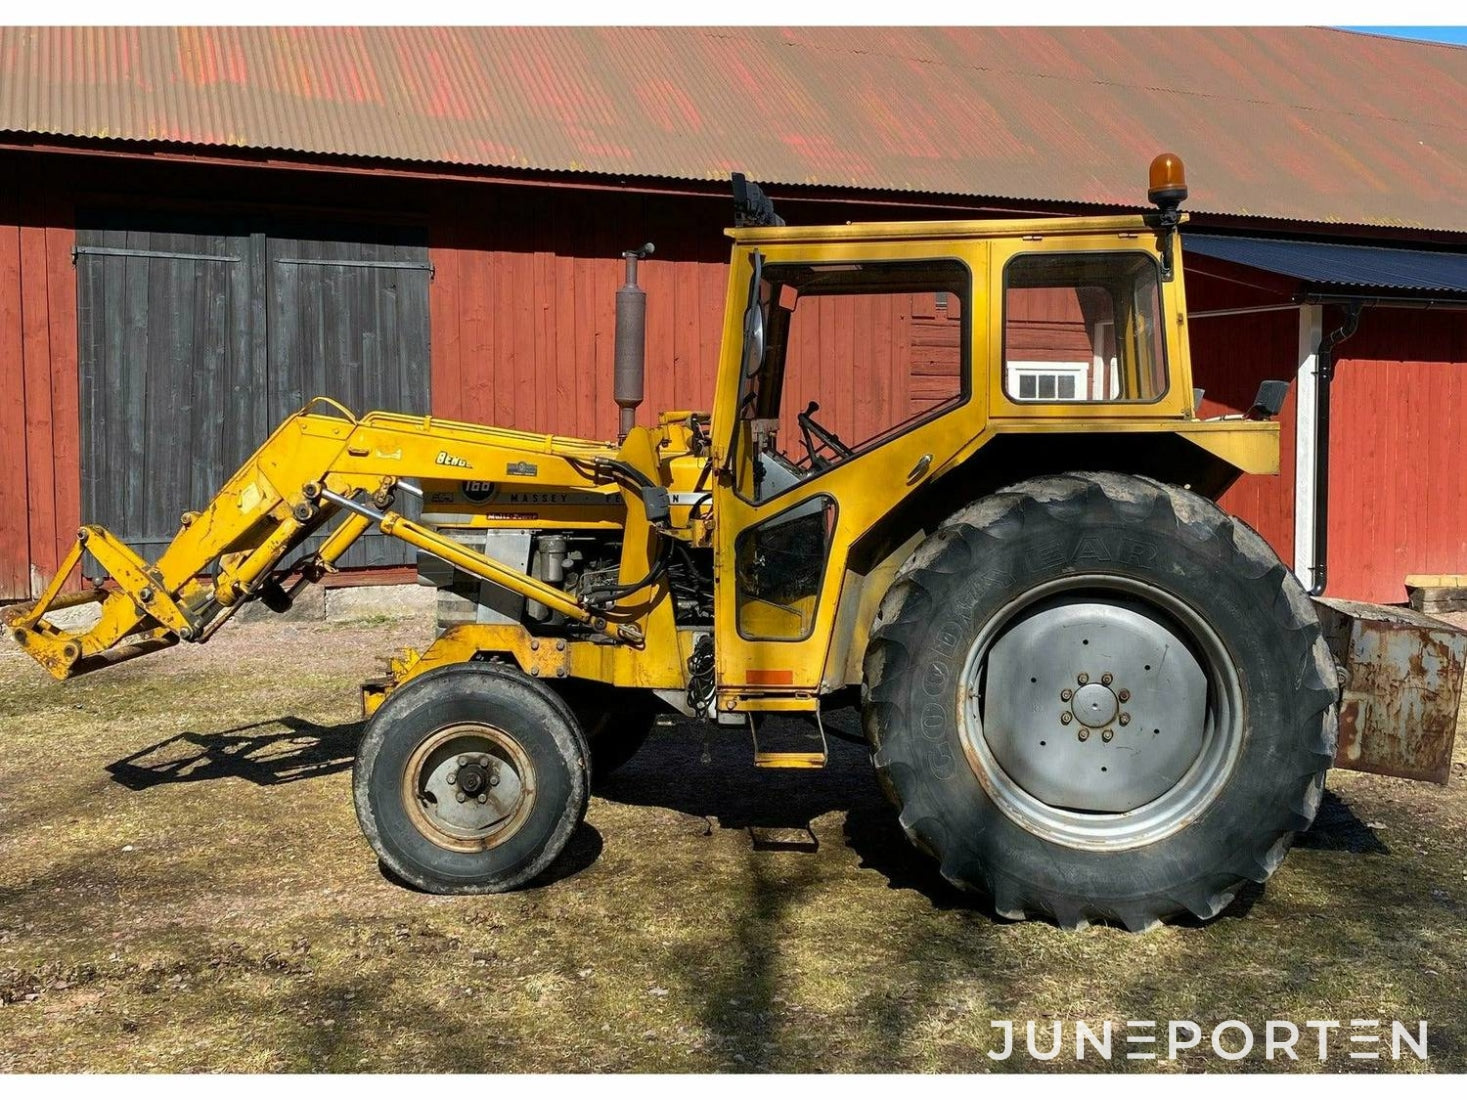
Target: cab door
847, 379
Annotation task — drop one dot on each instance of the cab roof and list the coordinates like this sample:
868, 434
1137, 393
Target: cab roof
944, 230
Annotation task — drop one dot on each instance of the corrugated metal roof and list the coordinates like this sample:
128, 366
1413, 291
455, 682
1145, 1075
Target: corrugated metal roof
1293, 123
1343, 265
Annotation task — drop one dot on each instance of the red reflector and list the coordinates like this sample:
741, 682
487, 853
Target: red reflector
770, 676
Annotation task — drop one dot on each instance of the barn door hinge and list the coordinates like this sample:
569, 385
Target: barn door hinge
147, 254
391, 265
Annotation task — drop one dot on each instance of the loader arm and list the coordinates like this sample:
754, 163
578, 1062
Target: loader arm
318, 467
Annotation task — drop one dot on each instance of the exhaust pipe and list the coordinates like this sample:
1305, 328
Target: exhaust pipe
631, 344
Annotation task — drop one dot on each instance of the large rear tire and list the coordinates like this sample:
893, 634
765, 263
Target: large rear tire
1099, 697
470, 779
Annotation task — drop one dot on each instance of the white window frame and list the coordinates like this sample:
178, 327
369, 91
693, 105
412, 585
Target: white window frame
1020, 368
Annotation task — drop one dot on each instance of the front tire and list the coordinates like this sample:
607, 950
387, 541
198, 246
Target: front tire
616, 721
470, 779
1098, 697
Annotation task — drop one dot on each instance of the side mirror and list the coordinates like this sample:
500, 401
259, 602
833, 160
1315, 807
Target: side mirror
1269, 401
754, 320
753, 338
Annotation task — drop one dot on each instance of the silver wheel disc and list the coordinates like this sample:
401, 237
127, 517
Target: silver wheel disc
1100, 712
468, 787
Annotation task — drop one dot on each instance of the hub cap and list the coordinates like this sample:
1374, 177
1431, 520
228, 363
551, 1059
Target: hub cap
1100, 712
468, 787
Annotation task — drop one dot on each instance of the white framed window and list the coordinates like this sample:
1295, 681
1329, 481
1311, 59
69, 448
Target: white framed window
1047, 381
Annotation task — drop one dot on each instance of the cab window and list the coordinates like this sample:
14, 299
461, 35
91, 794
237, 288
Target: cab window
853, 355
1083, 328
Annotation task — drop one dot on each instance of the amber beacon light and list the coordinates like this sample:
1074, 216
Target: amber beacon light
1168, 186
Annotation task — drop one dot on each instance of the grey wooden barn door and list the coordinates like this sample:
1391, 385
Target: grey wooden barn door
169, 387
197, 335
349, 320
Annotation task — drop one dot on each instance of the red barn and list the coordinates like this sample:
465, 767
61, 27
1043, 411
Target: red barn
201, 228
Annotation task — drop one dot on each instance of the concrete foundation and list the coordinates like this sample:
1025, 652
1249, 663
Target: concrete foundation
312, 604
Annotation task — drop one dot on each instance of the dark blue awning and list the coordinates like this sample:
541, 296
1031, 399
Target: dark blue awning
1340, 265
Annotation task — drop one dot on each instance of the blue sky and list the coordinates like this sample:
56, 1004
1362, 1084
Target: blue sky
1455, 35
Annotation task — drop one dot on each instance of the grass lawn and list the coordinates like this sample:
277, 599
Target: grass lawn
183, 887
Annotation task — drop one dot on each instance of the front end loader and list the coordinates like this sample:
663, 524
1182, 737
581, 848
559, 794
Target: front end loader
1092, 693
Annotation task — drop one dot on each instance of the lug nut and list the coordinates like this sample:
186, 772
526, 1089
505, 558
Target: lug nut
452, 778
461, 796
463, 761
1083, 679
494, 780
1123, 695
483, 760
1084, 735
1106, 679
1125, 719
1066, 718
1107, 735
1066, 695
483, 798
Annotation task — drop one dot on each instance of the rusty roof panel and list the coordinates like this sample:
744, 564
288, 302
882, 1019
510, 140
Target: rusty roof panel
1294, 123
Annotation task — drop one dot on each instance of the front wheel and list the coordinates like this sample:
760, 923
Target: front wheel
470, 779
1098, 697
616, 721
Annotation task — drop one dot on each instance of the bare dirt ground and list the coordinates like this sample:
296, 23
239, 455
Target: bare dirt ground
183, 887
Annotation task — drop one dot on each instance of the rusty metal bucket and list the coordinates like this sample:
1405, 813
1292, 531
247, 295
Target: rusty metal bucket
1402, 685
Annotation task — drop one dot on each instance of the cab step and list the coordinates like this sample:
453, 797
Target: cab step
788, 740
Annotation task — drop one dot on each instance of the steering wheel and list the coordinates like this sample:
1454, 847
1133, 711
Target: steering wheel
827, 439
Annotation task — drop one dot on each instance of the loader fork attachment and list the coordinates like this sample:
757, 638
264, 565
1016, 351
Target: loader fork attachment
137, 609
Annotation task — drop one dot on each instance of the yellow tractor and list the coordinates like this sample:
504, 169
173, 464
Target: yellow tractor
1092, 694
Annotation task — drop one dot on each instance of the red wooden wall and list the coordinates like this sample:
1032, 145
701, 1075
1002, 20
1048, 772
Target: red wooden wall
522, 329
872, 361
1046, 325
1398, 470
523, 307
40, 481
523, 322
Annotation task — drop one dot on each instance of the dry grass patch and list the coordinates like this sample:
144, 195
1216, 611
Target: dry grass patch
183, 887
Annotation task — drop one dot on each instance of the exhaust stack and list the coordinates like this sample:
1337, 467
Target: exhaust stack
631, 343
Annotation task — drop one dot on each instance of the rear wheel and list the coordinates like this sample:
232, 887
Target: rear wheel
1097, 697
470, 779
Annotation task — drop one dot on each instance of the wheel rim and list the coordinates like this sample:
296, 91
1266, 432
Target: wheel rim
468, 787
1100, 712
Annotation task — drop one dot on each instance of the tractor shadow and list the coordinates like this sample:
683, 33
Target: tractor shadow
292, 750
1336, 828
708, 771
